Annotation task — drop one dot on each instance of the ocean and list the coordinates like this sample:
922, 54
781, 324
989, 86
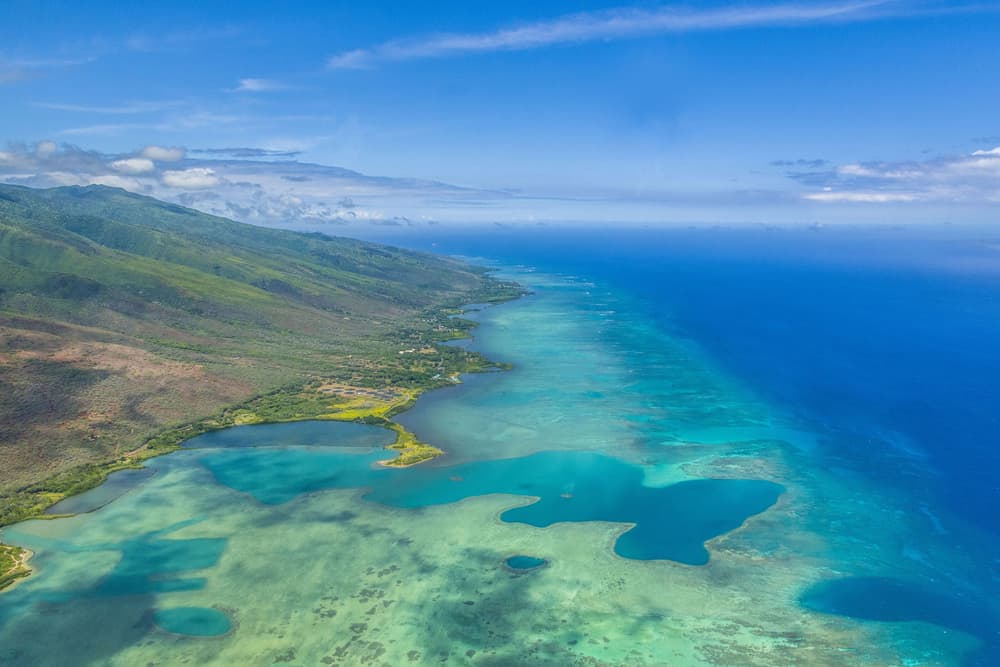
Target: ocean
889, 337
715, 447
884, 341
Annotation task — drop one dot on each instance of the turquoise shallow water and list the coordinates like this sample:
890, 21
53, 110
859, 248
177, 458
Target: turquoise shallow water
193, 621
671, 522
117, 484
681, 521
299, 434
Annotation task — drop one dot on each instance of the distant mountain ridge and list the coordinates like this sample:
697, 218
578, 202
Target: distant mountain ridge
42, 230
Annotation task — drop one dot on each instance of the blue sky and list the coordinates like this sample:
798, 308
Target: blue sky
838, 111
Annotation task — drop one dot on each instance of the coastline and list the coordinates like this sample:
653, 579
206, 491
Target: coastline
18, 569
764, 564
387, 402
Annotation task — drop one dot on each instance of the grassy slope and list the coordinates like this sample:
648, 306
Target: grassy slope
129, 323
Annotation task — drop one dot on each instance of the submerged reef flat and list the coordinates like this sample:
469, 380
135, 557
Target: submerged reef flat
193, 621
330, 575
606, 427
670, 523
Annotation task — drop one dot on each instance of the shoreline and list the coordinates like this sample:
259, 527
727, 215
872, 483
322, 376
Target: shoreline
19, 570
410, 451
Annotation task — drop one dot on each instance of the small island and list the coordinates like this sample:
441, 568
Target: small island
521, 564
13, 564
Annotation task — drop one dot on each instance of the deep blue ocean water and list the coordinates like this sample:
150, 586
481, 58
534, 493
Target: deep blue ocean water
888, 337
886, 341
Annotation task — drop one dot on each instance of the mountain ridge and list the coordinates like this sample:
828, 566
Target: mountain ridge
122, 317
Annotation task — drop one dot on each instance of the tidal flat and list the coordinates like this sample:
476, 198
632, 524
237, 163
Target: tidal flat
288, 544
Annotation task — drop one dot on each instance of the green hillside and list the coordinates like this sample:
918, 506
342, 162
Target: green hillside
122, 317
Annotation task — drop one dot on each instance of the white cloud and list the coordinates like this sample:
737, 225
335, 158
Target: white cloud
876, 172
258, 86
163, 154
128, 108
855, 170
134, 165
45, 148
246, 184
992, 151
197, 119
196, 178
860, 197
181, 39
116, 181
20, 69
357, 58
102, 129
974, 177
65, 178
175, 122
606, 25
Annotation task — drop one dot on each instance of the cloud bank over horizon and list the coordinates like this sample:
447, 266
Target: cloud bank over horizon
274, 188
973, 178
658, 112
260, 186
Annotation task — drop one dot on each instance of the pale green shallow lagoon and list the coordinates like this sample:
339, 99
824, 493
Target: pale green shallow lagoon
304, 570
